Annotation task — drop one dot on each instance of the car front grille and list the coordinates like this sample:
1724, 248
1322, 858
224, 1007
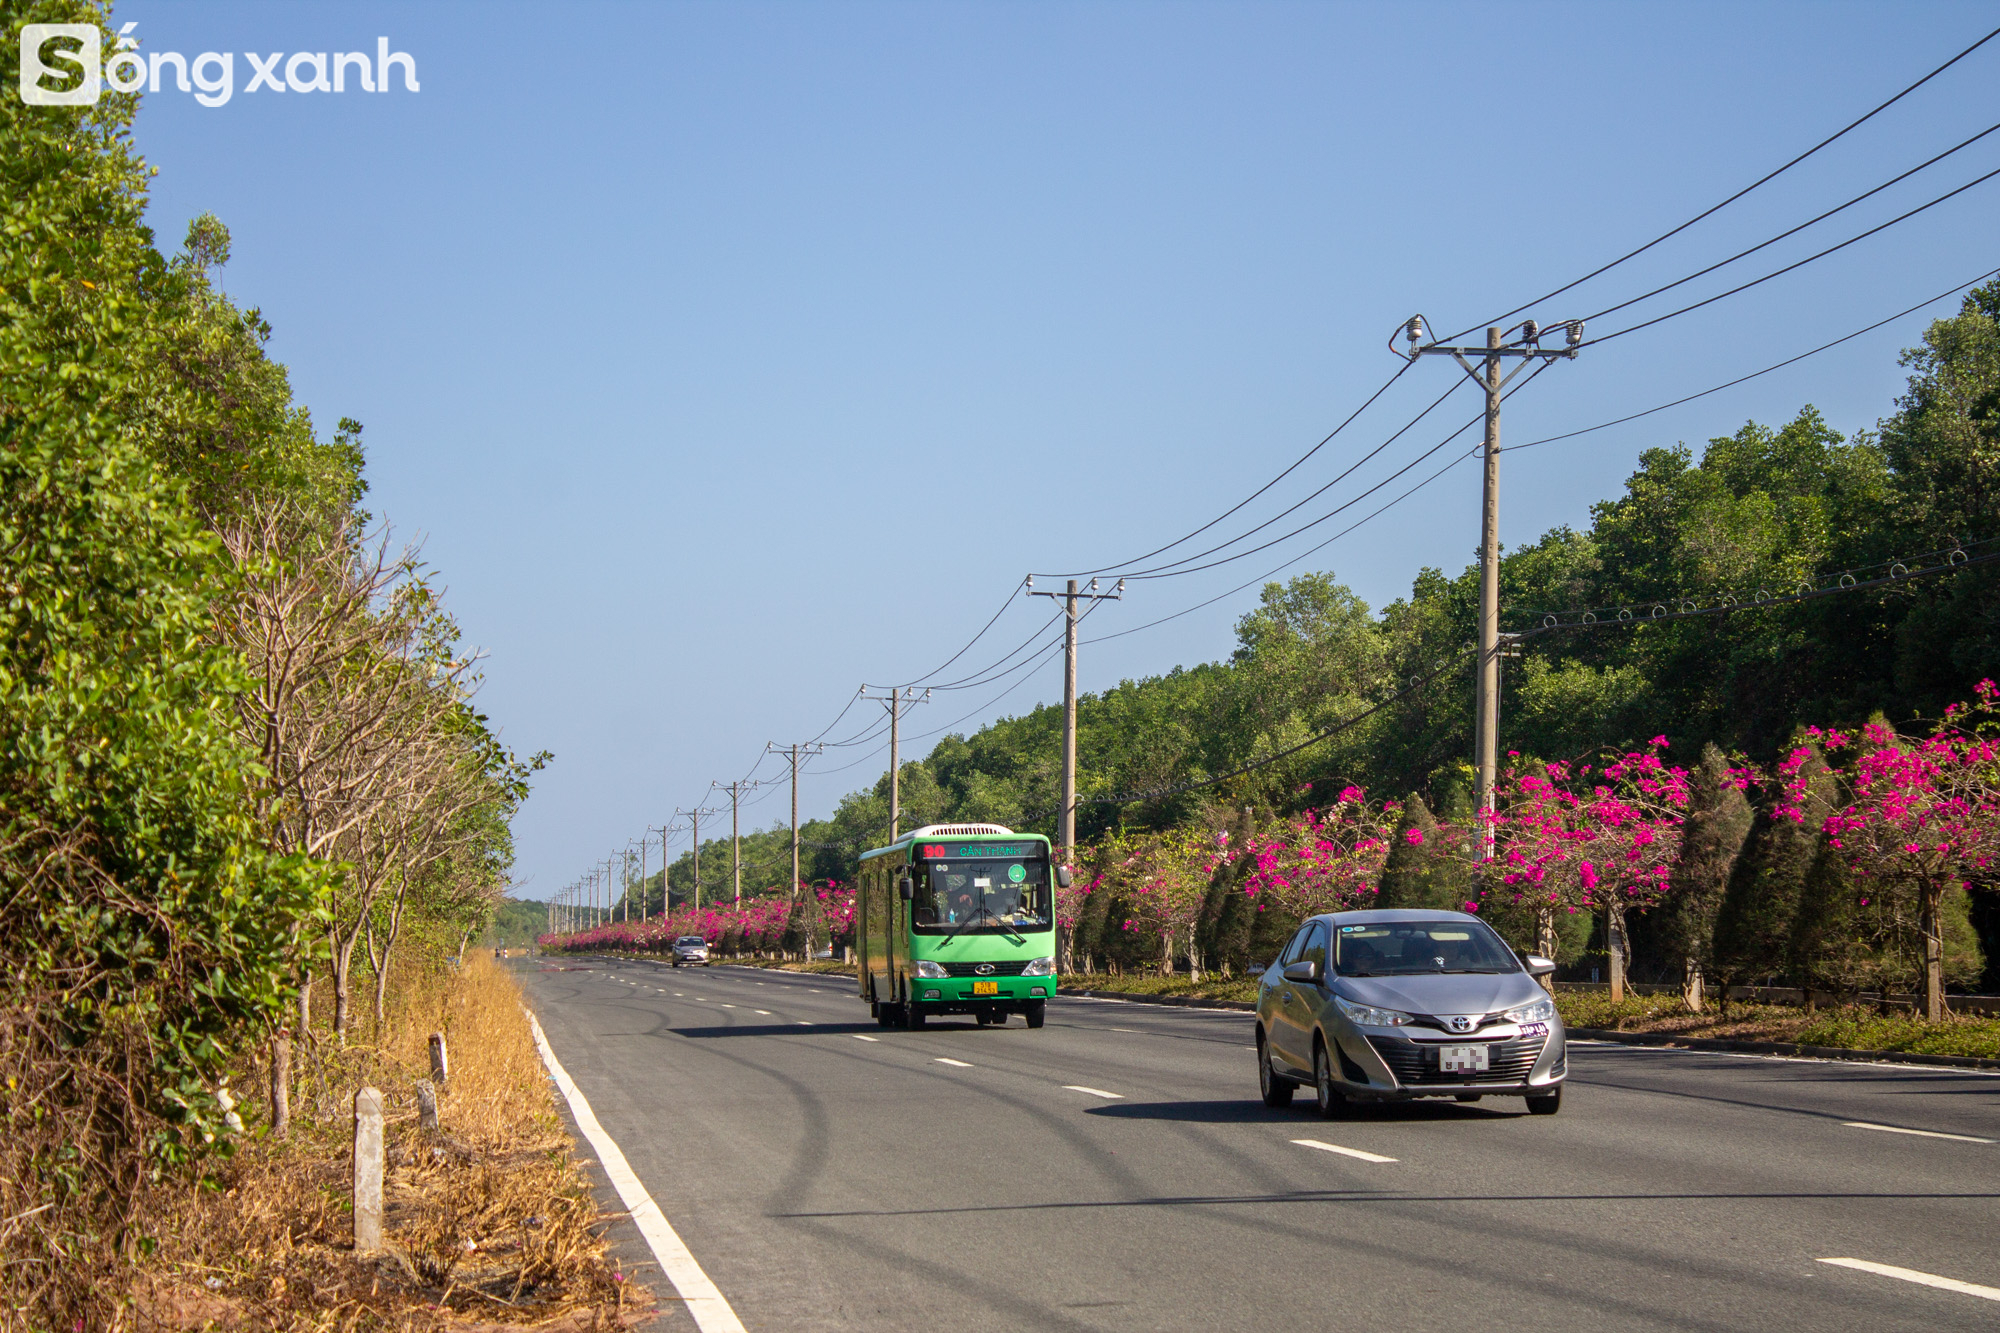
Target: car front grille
992, 969
1416, 1063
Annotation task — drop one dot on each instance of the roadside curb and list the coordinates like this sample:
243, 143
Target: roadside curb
1782, 1048
1182, 1001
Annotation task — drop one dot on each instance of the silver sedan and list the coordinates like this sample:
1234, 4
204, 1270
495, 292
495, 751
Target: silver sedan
1392, 1005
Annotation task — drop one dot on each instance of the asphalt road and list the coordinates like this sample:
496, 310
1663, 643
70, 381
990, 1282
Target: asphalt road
828, 1173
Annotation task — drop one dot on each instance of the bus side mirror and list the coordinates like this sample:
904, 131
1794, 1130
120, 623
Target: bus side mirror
906, 888
1063, 877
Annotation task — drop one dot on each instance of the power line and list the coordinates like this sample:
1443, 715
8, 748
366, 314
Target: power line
1709, 212
1743, 254
1619, 421
1171, 567
1777, 273
1296, 464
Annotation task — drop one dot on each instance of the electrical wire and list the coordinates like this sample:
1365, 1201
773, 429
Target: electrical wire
1712, 210
1167, 570
1357, 499
1776, 273
1296, 464
1743, 254
1619, 421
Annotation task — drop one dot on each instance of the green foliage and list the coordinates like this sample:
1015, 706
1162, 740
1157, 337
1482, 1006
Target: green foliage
1718, 824
1431, 871
1753, 926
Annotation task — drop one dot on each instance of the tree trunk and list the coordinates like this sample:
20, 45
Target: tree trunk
1614, 943
1691, 984
343, 970
1545, 941
306, 1004
281, 1085
1931, 906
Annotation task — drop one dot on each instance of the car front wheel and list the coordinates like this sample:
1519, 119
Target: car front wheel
1277, 1091
1329, 1100
1547, 1104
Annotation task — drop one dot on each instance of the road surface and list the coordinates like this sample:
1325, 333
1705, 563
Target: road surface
1115, 1170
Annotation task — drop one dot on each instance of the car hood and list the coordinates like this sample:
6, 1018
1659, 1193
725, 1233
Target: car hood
1447, 993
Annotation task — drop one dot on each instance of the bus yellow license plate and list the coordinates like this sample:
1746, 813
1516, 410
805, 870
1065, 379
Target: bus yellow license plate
985, 988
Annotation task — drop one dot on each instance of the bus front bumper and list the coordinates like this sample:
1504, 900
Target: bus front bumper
969, 995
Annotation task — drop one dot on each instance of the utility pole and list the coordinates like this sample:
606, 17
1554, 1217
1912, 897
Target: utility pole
1486, 722
794, 753
1066, 819
643, 835
736, 790
896, 701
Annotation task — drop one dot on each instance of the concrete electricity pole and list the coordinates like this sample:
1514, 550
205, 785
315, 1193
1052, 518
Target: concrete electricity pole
896, 702
794, 752
1066, 820
736, 790
1486, 747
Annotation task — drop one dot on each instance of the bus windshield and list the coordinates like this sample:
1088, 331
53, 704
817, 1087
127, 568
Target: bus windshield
983, 897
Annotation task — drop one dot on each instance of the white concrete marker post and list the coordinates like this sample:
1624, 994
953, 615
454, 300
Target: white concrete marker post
440, 1063
367, 1171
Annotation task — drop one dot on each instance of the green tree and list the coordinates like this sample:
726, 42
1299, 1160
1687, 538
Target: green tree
1753, 926
1718, 823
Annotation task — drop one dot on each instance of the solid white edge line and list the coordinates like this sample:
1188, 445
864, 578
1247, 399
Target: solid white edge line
1344, 1152
1920, 1133
1921, 1279
703, 1300
1095, 1092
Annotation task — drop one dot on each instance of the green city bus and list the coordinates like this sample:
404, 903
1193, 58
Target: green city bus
957, 919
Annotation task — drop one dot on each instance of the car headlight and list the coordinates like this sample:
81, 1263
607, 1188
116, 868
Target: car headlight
1369, 1016
1534, 1011
1039, 967
926, 968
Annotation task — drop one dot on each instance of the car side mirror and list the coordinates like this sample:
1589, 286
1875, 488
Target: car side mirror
1539, 966
906, 888
1305, 970
1063, 877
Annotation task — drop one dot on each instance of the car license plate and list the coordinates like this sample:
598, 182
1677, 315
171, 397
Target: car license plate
1460, 1059
985, 988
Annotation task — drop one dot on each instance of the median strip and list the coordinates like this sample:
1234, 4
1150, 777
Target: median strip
1095, 1092
1920, 1133
1921, 1279
1344, 1152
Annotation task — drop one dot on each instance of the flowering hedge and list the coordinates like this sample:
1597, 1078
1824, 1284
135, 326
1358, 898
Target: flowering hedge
814, 917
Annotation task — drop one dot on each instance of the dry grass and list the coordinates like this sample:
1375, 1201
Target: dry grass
489, 1220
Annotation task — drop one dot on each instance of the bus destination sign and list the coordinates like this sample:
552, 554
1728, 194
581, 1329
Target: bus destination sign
978, 851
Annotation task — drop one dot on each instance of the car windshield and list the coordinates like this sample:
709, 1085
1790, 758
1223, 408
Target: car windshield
985, 897
1408, 948
694, 941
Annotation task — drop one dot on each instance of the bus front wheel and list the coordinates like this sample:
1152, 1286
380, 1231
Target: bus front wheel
885, 1015
1036, 1012
913, 1017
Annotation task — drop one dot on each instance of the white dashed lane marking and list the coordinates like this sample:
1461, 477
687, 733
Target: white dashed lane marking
1921, 1279
858, 1037
765, 1012
1095, 1092
1344, 1152
1920, 1133
956, 1064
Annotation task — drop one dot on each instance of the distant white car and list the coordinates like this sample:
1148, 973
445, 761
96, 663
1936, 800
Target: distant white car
690, 949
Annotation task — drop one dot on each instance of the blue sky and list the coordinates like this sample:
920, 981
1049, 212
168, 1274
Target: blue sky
726, 356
